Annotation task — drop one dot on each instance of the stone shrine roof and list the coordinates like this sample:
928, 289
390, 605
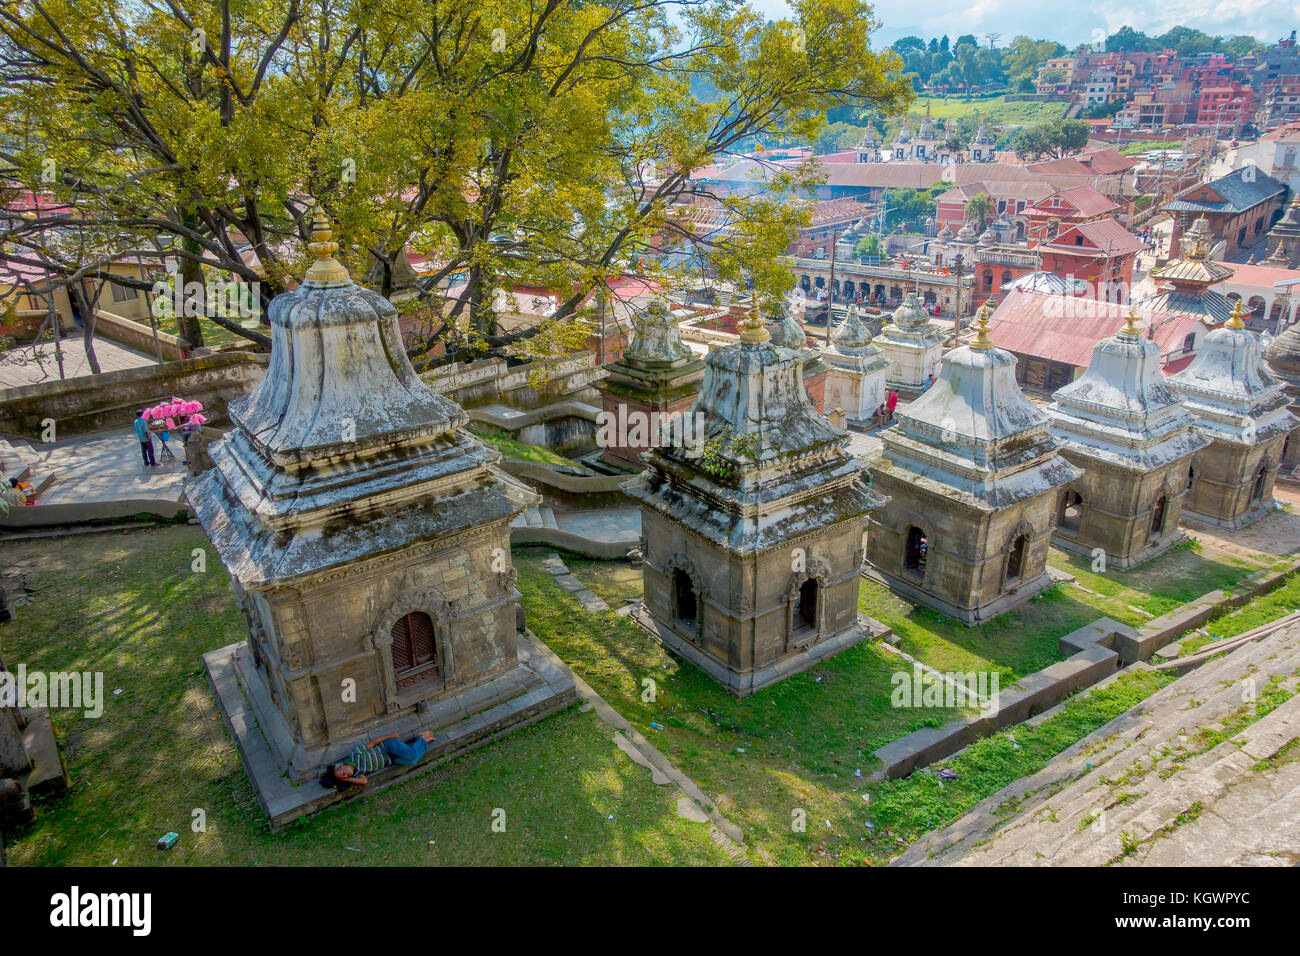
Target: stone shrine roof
771, 467
1120, 410
972, 436
1229, 389
342, 452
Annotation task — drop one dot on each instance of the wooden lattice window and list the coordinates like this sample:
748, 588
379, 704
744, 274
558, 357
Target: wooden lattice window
415, 650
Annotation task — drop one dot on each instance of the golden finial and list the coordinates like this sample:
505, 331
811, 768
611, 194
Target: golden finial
982, 340
752, 330
326, 268
1131, 327
1238, 313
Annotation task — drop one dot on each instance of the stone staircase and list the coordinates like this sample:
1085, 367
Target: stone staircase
543, 517
18, 459
1156, 782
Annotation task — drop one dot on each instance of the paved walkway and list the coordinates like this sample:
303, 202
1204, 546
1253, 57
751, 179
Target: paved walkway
106, 466
21, 367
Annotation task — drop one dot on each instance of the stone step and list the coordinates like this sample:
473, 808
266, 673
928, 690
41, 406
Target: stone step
18, 459
548, 517
533, 518
1144, 789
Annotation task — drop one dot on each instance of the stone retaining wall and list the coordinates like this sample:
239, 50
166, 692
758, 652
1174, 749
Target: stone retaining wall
96, 402
1096, 650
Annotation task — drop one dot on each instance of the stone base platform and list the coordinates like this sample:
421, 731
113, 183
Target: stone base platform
536, 688
745, 683
48, 774
1195, 520
968, 616
1120, 562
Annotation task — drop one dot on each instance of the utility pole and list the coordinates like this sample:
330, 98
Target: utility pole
830, 288
959, 264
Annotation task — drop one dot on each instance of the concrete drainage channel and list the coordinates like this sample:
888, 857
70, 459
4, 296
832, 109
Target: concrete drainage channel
1100, 650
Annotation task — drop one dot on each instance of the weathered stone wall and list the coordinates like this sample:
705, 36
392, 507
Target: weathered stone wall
1118, 510
744, 611
490, 381
968, 550
1222, 492
95, 402
339, 628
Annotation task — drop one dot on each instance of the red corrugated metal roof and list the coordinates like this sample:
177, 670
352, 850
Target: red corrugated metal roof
1065, 328
1086, 200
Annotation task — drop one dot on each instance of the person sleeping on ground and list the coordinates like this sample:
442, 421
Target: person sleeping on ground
376, 755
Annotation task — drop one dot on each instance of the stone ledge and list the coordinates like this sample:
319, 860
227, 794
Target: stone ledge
552, 689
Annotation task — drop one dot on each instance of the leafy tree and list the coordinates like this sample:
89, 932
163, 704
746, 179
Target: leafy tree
202, 132
1052, 77
1126, 38
869, 246
1053, 139
978, 209
1243, 45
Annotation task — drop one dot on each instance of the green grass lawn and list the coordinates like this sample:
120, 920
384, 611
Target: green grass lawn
128, 604
791, 765
1158, 586
1147, 145
802, 749
521, 451
996, 110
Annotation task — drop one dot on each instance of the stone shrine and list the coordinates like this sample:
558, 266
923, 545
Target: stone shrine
973, 479
1283, 359
1120, 423
787, 332
752, 551
855, 381
1242, 410
657, 379
912, 344
368, 544
1284, 238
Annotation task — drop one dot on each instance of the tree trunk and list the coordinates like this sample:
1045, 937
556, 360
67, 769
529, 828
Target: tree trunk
188, 325
81, 307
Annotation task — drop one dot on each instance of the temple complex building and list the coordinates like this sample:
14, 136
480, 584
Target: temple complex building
855, 380
1184, 283
752, 551
1242, 410
912, 345
1134, 442
973, 479
983, 148
367, 539
657, 379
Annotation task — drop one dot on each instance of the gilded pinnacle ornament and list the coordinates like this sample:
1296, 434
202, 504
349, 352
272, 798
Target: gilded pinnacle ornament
326, 268
1238, 313
752, 330
982, 340
1131, 328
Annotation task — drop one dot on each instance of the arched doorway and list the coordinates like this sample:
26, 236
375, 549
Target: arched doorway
916, 550
1016, 560
1071, 514
684, 604
414, 650
1261, 479
1158, 517
805, 606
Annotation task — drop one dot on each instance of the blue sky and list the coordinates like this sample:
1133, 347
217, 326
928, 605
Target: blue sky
1071, 24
